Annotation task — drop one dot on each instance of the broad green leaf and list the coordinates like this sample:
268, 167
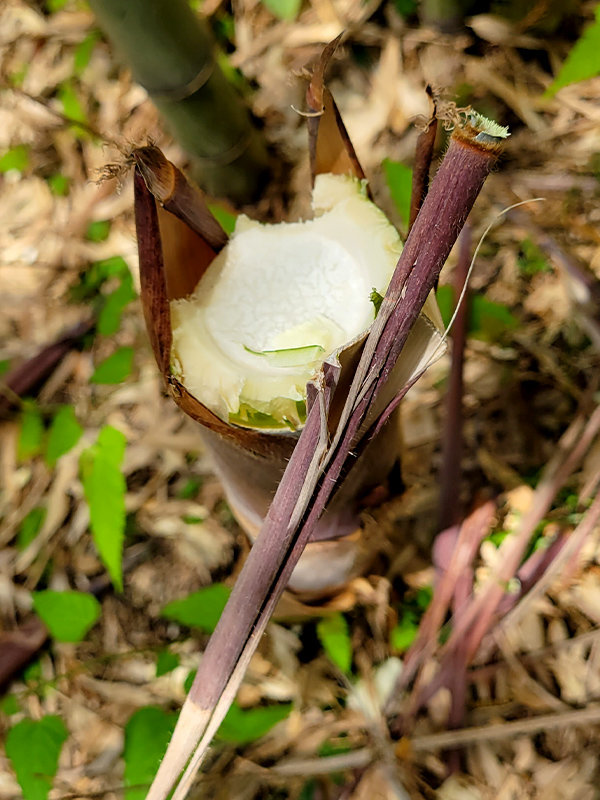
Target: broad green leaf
224, 217
165, 662
30, 527
283, 9
31, 434
4, 366
104, 487
399, 181
114, 369
246, 725
59, 185
582, 62
33, 749
146, 737
83, 52
55, 5
64, 434
15, 158
334, 635
67, 615
201, 609
98, 230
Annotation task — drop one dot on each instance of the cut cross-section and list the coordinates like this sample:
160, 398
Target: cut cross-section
278, 300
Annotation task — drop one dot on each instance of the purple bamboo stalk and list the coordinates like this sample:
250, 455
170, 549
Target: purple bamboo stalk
423, 158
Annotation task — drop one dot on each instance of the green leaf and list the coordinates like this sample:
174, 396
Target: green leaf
67, 615
226, 219
489, 320
445, 300
283, 9
241, 726
406, 8
89, 289
32, 674
147, 734
4, 366
114, 369
59, 185
531, 260
104, 487
72, 108
582, 62
63, 435
200, 609
30, 527
109, 318
83, 52
192, 519
31, 434
189, 680
9, 705
399, 181
190, 489
17, 77
334, 635
405, 632
55, 5
166, 662
33, 749
98, 230
16, 158
100, 271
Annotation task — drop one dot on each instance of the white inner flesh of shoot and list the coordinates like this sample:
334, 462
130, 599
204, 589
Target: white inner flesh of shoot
278, 300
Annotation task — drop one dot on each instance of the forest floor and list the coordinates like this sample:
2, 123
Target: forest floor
526, 704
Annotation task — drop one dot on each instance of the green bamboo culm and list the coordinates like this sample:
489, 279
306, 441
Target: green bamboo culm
171, 53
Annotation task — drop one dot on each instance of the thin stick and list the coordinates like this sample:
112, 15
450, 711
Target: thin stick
24, 379
506, 730
357, 759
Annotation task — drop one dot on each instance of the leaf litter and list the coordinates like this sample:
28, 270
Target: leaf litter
527, 707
